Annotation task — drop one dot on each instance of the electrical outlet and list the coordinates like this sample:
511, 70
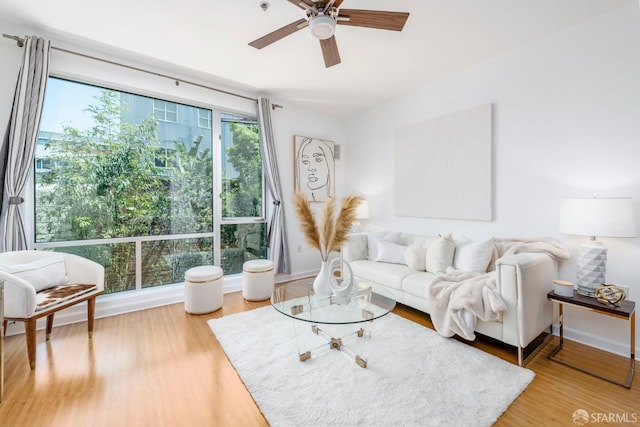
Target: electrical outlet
299, 248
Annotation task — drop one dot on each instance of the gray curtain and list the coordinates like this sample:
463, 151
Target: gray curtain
277, 241
19, 143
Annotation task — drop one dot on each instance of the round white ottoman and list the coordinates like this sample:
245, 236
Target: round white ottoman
257, 279
203, 289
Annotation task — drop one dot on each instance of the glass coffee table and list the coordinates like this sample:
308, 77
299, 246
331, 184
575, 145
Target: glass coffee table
366, 303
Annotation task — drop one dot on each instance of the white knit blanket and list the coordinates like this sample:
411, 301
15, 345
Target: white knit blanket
510, 246
458, 298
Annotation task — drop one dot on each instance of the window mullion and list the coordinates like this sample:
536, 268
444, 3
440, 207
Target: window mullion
217, 183
138, 264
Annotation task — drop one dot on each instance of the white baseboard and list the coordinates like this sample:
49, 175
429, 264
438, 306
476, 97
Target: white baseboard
127, 302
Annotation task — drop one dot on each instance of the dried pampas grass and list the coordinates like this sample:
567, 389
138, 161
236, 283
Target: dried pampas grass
307, 221
333, 230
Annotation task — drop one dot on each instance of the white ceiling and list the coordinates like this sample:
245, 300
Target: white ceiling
209, 37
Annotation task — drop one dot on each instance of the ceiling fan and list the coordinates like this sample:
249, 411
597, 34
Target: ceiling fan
322, 17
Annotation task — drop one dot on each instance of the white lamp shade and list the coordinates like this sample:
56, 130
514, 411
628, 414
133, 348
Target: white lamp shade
363, 210
598, 217
322, 26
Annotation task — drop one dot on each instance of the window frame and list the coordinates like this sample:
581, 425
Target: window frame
239, 219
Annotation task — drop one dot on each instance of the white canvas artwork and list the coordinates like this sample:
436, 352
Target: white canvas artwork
443, 166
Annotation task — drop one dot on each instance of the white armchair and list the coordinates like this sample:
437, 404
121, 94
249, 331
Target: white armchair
40, 283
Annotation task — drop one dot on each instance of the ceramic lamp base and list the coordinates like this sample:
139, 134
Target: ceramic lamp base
592, 267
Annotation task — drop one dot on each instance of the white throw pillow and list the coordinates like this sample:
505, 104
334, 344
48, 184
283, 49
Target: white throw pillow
473, 256
390, 252
43, 273
424, 241
440, 254
374, 237
415, 257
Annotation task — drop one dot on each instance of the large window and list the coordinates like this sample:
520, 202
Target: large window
119, 183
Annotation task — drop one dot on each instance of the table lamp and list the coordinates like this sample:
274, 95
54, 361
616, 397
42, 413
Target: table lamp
606, 217
361, 214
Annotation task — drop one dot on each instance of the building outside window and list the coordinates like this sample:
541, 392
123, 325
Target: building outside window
204, 118
165, 111
163, 156
117, 184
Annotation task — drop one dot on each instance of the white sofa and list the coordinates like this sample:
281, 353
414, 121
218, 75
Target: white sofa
523, 280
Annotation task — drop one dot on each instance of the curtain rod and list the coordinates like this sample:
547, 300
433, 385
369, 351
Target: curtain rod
177, 80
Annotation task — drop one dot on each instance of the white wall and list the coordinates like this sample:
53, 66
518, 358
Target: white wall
288, 122
566, 124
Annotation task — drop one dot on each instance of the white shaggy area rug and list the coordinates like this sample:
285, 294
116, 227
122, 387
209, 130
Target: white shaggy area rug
414, 376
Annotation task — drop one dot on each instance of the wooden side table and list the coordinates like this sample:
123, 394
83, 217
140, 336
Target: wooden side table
626, 311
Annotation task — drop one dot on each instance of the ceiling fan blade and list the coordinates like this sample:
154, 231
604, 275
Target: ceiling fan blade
278, 34
337, 3
298, 3
373, 19
330, 51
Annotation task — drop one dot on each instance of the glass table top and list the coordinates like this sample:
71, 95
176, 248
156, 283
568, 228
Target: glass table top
297, 299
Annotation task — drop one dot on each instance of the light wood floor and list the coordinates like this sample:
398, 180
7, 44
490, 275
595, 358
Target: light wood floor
163, 367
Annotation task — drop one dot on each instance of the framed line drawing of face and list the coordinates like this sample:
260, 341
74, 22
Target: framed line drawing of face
314, 165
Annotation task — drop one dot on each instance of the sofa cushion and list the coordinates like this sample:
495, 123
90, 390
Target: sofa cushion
415, 257
418, 284
423, 241
408, 239
43, 273
374, 237
440, 254
390, 275
473, 256
390, 252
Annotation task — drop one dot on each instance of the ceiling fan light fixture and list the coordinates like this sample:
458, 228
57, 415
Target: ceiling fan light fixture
322, 26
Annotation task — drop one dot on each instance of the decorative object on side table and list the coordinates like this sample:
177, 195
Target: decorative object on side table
563, 287
610, 294
610, 217
331, 233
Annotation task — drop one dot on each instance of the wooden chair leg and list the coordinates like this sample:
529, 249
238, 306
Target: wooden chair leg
49, 325
91, 309
5, 323
30, 329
